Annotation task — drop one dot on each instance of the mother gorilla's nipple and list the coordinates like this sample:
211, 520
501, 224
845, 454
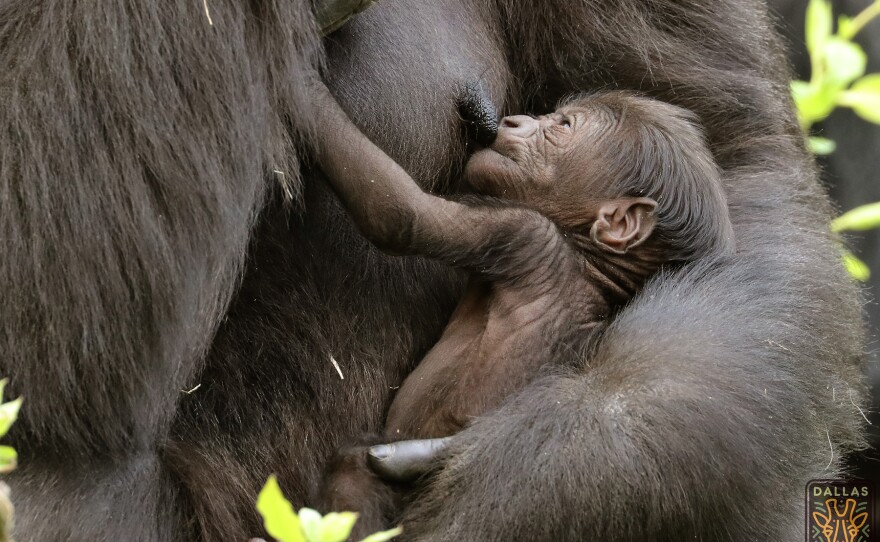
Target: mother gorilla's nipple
478, 111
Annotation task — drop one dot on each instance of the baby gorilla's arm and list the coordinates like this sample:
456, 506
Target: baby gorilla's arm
381, 197
393, 212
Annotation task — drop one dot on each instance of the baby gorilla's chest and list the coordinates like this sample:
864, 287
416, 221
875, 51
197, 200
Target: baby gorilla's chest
495, 343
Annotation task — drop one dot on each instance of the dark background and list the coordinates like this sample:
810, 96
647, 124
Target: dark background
852, 174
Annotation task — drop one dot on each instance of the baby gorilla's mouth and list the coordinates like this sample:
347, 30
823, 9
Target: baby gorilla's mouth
479, 114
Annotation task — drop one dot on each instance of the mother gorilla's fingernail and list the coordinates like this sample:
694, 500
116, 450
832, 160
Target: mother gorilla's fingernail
381, 452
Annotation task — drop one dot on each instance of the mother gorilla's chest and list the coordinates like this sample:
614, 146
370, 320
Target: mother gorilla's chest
400, 68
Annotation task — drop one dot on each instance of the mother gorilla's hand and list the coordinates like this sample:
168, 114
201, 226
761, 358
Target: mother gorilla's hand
406, 460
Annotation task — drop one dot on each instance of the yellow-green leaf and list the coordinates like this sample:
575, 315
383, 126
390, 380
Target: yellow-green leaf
863, 217
279, 519
820, 23
856, 267
864, 98
384, 535
799, 89
813, 102
8, 459
821, 145
336, 526
8, 414
310, 523
844, 27
845, 62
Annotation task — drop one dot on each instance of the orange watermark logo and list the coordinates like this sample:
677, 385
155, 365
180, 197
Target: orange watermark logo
840, 511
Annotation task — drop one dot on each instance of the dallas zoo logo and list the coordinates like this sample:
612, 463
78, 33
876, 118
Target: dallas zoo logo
839, 511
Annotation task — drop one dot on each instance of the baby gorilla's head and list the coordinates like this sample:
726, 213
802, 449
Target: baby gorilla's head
619, 169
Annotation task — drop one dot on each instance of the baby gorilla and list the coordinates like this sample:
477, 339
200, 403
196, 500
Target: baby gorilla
577, 209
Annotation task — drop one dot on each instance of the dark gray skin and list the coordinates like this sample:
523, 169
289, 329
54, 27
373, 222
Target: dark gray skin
573, 234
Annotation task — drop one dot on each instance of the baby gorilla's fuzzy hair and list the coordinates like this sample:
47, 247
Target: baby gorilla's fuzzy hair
657, 150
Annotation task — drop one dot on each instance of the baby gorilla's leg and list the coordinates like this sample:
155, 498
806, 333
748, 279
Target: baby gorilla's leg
349, 485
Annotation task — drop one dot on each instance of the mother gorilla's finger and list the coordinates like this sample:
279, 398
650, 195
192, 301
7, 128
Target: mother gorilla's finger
406, 460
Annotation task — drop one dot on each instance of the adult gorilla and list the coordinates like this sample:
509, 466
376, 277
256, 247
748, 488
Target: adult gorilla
140, 148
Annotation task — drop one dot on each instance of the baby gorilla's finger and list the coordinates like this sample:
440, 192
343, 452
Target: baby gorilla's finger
406, 460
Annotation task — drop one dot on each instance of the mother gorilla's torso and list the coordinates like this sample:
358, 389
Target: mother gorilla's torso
315, 289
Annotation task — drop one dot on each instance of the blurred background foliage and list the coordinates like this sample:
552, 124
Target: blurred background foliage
8, 461
847, 122
837, 79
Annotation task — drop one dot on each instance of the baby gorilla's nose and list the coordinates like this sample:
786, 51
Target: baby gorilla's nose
519, 125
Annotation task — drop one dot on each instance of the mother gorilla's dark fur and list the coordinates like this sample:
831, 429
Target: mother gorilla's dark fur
138, 150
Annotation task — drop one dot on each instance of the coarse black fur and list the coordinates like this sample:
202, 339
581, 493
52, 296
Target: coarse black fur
850, 171
138, 150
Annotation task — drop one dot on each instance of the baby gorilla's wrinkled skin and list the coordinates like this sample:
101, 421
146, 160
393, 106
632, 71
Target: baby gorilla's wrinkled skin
577, 210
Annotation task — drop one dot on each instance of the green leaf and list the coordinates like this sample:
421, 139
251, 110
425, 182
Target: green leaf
821, 145
799, 91
8, 414
844, 27
856, 267
820, 23
845, 62
8, 459
336, 526
384, 535
863, 217
279, 519
813, 102
864, 98
799, 88
3, 387
310, 523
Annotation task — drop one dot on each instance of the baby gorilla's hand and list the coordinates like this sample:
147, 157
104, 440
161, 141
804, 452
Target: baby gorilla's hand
407, 460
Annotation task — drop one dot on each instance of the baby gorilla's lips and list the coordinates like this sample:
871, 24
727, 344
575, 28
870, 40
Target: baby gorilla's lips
487, 154
499, 150
513, 135
505, 145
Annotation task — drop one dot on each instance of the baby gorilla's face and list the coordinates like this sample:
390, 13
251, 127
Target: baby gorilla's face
544, 162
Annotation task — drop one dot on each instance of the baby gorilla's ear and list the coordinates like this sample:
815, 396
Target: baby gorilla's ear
623, 223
